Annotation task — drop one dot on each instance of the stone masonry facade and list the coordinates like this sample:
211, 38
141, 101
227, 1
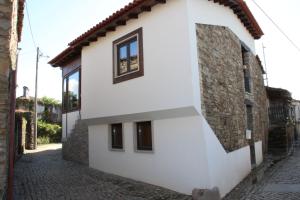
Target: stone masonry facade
9, 38
221, 68
76, 147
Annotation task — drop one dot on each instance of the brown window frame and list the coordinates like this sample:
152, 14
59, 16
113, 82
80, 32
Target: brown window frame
126, 41
65, 105
117, 133
140, 137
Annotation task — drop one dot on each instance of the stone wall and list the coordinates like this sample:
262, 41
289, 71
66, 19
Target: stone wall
8, 48
4, 111
223, 93
76, 147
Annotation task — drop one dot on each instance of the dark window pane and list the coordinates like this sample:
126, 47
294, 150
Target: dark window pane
65, 95
116, 136
134, 65
144, 136
73, 91
247, 81
123, 59
249, 117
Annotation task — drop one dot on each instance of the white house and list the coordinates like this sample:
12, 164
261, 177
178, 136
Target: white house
136, 80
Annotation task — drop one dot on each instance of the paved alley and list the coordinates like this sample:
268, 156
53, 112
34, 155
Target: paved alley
280, 182
42, 175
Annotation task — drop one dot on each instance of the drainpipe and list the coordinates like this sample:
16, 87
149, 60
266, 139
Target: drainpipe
11, 157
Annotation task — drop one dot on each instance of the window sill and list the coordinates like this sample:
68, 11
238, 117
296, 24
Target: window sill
117, 150
144, 151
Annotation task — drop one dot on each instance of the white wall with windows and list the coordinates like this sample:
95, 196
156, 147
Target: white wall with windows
186, 153
178, 160
167, 82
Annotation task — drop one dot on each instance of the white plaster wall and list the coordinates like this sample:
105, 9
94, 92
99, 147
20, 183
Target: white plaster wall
226, 170
178, 162
207, 12
167, 83
258, 152
68, 123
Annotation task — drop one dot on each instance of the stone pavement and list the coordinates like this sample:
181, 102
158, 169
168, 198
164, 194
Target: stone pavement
42, 175
279, 182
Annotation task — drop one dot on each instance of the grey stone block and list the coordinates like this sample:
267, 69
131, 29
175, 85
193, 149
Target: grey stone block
206, 194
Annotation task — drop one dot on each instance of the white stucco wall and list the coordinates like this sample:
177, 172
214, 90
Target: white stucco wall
68, 123
226, 170
178, 162
167, 83
207, 12
258, 152
187, 154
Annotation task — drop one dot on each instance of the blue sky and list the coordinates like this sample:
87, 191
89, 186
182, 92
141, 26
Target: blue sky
57, 22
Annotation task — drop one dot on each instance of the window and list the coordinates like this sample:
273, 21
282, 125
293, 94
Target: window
249, 117
71, 92
247, 78
144, 136
116, 136
128, 57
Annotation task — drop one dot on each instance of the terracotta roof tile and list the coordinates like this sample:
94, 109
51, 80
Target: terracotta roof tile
239, 7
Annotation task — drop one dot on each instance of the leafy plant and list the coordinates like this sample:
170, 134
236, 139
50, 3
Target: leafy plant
51, 131
43, 140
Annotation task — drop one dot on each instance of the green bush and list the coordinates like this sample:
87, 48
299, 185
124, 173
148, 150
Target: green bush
51, 131
43, 140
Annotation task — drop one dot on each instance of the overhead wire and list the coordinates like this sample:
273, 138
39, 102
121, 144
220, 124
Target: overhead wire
31, 32
276, 25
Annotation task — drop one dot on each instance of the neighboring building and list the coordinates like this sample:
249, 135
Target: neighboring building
296, 104
11, 17
25, 103
167, 91
282, 124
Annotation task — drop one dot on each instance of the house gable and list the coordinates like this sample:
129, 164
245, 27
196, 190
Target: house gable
132, 11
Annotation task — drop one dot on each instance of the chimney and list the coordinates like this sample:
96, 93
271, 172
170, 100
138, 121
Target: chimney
25, 92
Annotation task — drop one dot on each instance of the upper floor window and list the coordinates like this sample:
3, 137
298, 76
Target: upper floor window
128, 57
247, 78
71, 91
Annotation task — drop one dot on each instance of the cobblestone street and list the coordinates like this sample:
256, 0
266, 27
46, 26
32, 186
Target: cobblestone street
42, 175
280, 182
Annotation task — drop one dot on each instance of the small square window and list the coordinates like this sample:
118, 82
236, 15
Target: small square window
128, 57
116, 136
144, 136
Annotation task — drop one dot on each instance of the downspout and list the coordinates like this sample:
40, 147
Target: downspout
12, 100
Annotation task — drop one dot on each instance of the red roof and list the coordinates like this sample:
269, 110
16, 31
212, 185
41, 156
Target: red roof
131, 11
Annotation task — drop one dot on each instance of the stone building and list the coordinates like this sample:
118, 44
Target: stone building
11, 17
45, 106
167, 92
233, 93
282, 121
296, 105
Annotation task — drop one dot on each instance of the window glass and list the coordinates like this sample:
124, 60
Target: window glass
116, 136
73, 91
65, 95
134, 55
123, 60
249, 117
144, 136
